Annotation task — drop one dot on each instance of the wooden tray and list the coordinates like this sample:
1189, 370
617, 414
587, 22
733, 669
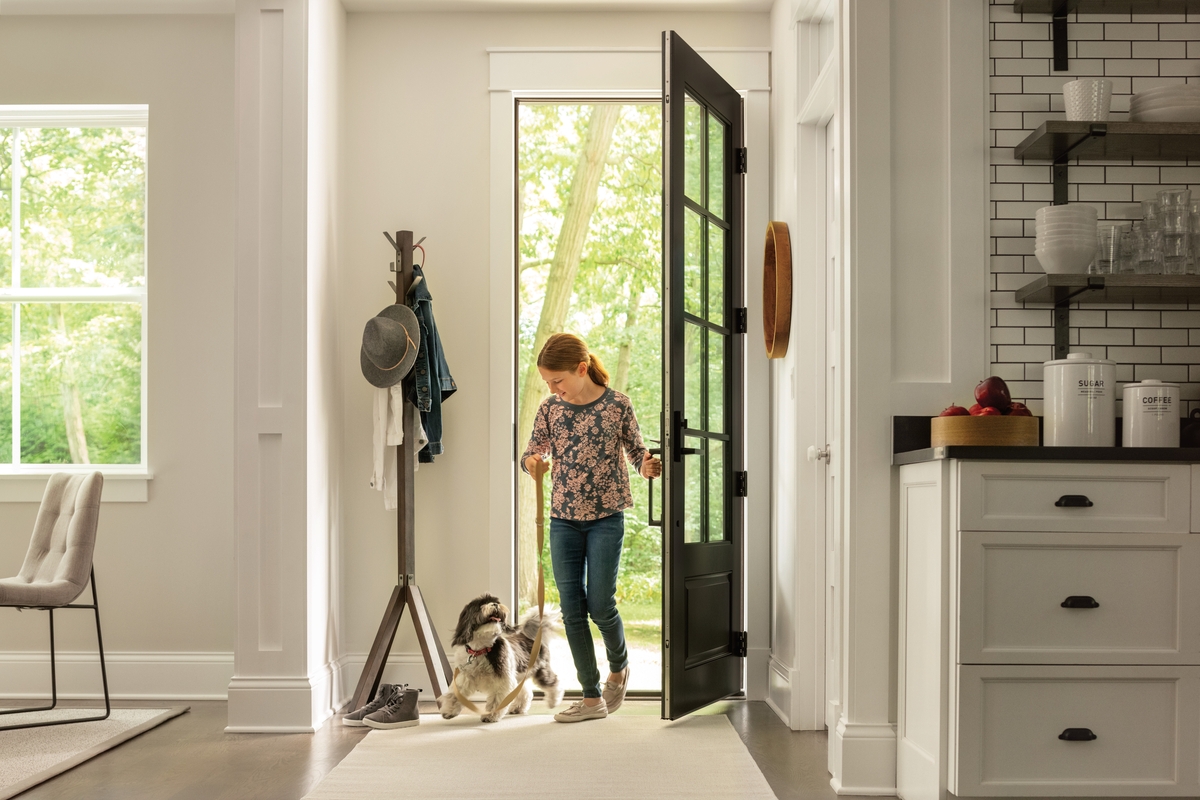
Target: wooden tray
1010, 431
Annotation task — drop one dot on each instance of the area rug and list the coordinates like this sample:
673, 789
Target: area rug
32, 755
524, 757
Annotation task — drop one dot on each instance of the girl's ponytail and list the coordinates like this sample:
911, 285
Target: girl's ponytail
596, 370
564, 352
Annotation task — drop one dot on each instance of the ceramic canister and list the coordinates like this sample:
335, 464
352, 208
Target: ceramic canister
1080, 402
1150, 414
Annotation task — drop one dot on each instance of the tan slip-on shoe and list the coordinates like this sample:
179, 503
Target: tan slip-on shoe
614, 692
579, 712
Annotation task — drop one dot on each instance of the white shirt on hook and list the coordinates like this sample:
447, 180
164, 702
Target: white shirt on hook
387, 418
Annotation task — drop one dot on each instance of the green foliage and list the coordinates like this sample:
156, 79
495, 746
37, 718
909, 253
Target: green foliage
616, 300
82, 225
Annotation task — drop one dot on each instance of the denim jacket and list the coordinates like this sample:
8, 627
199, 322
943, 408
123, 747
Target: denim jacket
432, 382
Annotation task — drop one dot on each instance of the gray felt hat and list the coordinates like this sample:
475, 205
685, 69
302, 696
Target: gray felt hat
389, 345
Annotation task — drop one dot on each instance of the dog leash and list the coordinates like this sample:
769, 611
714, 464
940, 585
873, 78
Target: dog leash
536, 649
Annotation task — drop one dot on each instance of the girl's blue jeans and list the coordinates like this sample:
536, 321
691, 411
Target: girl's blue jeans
586, 556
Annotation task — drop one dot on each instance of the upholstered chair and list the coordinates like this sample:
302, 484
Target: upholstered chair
57, 568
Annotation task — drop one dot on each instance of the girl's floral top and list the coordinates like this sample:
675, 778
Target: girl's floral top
589, 478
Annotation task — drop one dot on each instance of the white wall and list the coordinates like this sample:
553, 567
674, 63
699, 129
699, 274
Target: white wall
416, 145
164, 568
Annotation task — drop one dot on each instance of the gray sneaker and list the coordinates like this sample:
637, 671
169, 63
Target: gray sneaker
399, 712
578, 712
384, 693
614, 692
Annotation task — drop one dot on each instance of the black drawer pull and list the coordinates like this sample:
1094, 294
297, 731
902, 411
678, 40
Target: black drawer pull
1077, 735
1080, 601
1074, 501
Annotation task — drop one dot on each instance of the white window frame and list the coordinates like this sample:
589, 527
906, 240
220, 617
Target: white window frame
25, 482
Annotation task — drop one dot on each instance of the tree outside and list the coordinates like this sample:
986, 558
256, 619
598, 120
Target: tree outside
73, 220
590, 238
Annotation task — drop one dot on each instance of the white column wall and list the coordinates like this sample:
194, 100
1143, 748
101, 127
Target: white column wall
287, 445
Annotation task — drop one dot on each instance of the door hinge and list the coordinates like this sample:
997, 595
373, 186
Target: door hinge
740, 484
738, 644
741, 321
739, 156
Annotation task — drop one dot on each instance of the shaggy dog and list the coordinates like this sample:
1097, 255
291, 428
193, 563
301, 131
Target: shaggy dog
491, 655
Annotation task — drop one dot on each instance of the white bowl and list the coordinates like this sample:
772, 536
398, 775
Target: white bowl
1070, 208
1169, 114
1051, 217
1175, 89
1065, 261
1067, 240
1054, 226
1166, 100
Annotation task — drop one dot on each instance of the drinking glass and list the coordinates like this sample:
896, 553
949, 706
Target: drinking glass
1112, 252
1194, 254
1146, 246
1150, 214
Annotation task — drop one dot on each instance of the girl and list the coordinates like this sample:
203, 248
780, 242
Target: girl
583, 426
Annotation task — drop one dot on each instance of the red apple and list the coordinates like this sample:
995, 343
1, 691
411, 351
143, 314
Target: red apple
975, 410
1020, 410
988, 411
954, 411
993, 392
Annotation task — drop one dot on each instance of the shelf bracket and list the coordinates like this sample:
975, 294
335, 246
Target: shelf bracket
1059, 169
1062, 316
1059, 31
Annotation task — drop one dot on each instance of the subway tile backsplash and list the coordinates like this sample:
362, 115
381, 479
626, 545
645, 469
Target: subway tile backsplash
1135, 52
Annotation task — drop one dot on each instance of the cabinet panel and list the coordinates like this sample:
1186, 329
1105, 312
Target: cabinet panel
1072, 598
1000, 496
1130, 731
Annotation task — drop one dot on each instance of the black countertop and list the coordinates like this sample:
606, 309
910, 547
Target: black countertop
1182, 455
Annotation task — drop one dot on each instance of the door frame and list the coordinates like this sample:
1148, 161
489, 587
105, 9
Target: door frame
607, 73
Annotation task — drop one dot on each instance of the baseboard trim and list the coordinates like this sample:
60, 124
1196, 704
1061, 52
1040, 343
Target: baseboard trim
758, 660
132, 675
863, 759
280, 704
400, 668
779, 690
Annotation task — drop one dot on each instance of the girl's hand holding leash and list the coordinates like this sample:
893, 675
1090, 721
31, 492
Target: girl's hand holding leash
536, 466
651, 467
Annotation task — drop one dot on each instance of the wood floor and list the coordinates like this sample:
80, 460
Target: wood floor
192, 758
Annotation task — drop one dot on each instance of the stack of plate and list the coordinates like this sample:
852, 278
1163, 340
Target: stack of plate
1066, 238
1166, 104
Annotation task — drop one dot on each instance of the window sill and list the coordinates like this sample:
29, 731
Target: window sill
120, 486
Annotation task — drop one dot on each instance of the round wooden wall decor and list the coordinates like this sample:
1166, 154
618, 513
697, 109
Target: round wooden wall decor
777, 289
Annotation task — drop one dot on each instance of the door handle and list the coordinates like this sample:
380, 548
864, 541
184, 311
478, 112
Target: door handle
650, 520
1079, 601
678, 451
1077, 735
1074, 501
818, 453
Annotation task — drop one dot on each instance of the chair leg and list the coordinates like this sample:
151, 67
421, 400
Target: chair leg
95, 606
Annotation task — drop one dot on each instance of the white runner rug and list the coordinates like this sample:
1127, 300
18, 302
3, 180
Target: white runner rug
534, 756
32, 755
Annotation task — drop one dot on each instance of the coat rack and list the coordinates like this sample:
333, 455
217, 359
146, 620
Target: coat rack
406, 592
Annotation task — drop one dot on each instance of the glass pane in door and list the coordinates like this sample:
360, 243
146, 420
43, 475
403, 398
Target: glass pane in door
693, 491
693, 263
693, 150
693, 375
716, 274
716, 166
717, 491
716, 382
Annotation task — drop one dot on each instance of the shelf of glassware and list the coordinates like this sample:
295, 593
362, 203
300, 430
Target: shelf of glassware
1062, 289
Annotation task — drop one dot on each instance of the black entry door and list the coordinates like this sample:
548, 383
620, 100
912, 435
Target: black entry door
703, 639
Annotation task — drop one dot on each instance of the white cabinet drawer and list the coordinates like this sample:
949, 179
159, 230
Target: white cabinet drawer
1127, 599
1012, 720
1026, 496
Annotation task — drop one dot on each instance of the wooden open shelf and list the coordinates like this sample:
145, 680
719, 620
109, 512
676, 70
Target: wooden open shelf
1106, 6
1057, 140
1062, 289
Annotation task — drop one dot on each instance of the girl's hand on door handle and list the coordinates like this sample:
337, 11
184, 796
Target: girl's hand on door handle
651, 467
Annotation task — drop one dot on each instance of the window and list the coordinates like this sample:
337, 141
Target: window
72, 287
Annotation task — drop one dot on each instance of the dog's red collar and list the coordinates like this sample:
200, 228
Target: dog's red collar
473, 653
